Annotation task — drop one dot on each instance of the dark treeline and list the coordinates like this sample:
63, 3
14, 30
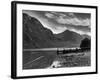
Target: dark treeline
84, 46
85, 43
72, 50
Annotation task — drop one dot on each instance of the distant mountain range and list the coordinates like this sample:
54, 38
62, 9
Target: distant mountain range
37, 36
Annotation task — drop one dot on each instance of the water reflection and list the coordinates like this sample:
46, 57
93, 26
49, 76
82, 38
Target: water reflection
50, 59
72, 60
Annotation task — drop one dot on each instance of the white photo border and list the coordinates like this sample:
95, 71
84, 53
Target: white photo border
18, 71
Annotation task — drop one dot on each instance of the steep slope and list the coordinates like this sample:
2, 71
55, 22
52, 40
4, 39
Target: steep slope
34, 34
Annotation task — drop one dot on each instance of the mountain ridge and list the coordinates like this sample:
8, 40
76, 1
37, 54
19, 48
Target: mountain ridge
35, 35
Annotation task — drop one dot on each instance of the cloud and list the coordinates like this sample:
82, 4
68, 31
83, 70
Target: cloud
74, 21
68, 18
60, 21
71, 14
59, 30
80, 32
49, 15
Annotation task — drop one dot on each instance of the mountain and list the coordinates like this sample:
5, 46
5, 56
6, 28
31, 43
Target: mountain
69, 36
34, 34
37, 36
86, 36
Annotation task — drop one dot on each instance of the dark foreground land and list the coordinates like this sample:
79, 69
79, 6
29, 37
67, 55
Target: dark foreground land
50, 59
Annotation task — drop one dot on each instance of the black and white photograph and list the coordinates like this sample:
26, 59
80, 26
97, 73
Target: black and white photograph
53, 39
56, 39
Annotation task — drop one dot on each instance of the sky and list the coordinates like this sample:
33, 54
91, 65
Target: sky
58, 22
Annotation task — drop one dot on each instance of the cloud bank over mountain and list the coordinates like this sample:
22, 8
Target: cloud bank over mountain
68, 18
58, 22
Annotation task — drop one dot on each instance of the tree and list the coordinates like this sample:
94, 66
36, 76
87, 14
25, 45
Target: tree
85, 43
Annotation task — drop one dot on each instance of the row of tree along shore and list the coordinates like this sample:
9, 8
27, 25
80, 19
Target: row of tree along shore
77, 50
84, 46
